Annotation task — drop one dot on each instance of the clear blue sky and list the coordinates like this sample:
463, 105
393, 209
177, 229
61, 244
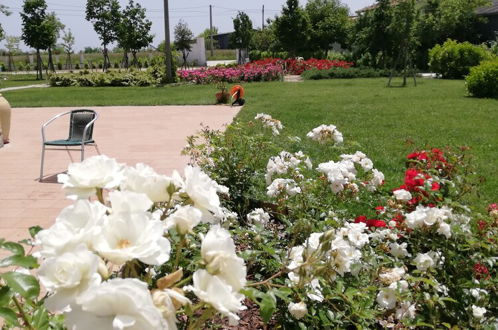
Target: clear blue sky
194, 12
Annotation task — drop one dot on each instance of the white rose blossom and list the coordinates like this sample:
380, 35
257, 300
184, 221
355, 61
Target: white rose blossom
258, 216
76, 224
402, 195
287, 187
386, 298
143, 179
298, 310
274, 124
115, 304
326, 133
478, 312
167, 301
83, 178
184, 219
68, 275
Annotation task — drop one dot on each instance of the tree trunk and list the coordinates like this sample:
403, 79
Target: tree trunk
125, 62
50, 60
135, 58
39, 69
106, 59
11, 63
69, 64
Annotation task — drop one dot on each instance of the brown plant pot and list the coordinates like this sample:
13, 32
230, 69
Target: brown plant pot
222, 97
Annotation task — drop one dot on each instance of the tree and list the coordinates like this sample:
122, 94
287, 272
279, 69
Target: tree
402, 34
67, 45
134, 31
4, 11
12, 45
206, 34
292, 28
53, 27
329, 24
105, 16
242, 35
36, 29
183, 40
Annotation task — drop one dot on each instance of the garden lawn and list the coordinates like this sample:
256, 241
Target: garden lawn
15, 80
385, 123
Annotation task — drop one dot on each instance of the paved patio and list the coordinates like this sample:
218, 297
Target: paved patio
154, 135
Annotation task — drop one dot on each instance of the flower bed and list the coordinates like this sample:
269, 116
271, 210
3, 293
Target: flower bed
270, 69
301, 244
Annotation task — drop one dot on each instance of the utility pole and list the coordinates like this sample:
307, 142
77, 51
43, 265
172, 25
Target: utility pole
167, 43
211, 29
263, 20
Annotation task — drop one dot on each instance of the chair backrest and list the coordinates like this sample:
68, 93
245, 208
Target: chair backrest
78, 121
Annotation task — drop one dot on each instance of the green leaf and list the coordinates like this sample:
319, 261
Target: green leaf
40, 319
34, 230
19, 260
15, 248
267, 306
5, 295
26, 285
9, 316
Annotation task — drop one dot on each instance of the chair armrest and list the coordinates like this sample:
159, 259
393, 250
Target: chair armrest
50, 121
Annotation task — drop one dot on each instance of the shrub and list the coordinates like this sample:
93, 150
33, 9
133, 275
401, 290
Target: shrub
483, 80
453, 60
344, 73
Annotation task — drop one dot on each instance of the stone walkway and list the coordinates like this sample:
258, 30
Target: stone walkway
154, 135
23, 87
293, 78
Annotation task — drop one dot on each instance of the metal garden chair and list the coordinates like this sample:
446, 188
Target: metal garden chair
81, 124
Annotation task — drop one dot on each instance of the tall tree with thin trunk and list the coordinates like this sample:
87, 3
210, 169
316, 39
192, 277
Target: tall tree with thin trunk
12, 45
293, 28
35, 31
134, 31
67, 44
242, 35
53, 27
105, 16
183, 40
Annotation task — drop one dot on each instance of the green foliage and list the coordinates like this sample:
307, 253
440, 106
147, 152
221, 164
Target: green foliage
4, 11
342, 73
483, 80
453, 60
292, 28
255, 55
183, 40
242, 35
328, 23
101, 79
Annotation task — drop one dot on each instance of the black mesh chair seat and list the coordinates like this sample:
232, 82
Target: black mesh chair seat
81, 124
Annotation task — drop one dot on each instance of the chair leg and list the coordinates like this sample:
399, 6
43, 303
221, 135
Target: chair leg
42, 162
82, 152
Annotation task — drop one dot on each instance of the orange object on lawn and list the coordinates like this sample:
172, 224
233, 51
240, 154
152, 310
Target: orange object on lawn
237, 92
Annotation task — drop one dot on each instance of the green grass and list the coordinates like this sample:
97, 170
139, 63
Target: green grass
380, 120
221, 55
14, 80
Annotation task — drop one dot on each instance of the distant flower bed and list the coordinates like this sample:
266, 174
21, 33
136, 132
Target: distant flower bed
269, 69
297, 66
267, 72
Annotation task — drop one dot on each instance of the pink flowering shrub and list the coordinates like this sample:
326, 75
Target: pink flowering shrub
268, 72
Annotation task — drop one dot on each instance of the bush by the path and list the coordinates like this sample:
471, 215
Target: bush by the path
453, 60
344, 73
483, 80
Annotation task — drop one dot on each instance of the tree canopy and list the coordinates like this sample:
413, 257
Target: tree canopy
292, 28
183, 40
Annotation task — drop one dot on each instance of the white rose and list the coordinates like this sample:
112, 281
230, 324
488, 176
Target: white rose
478, 293
127, 236
392, 275
68, 275
218, 251
399, 250
406, 310
402, 195
258, 216
313, 242
184, 219
478, 312
116, 304
167, 301
298, 310
143, 179
76, 224
386, 298
216, 292
83, 178
444, 229
424, 261
366, 164
202, 190
129, 202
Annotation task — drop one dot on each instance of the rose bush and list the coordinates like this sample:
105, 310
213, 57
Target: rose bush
251, 232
